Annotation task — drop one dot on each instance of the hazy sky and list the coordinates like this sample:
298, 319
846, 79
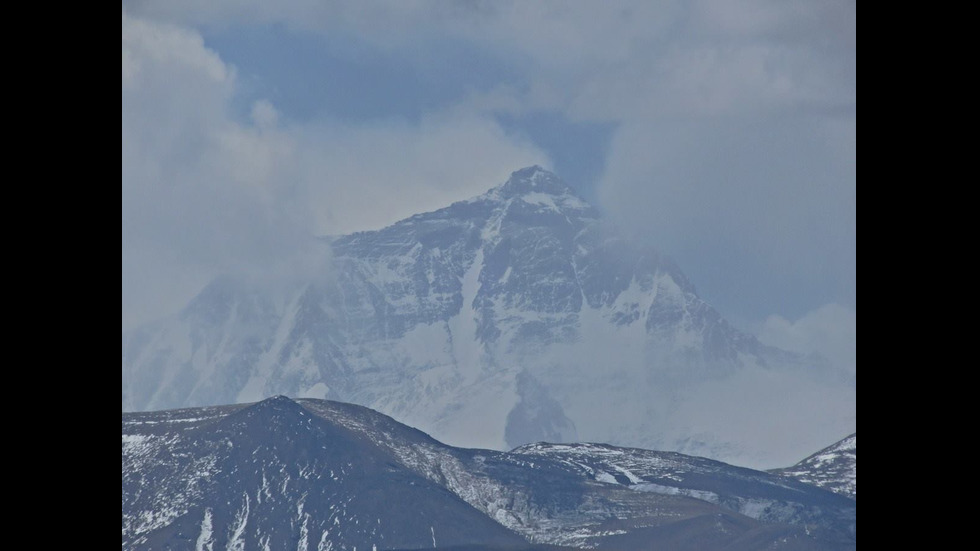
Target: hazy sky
722, 131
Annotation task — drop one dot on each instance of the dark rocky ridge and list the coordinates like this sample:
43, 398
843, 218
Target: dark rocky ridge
318, 474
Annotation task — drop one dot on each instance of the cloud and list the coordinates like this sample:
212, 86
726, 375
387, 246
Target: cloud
756, 208
205, 193
736, 153
763, 410
365, 176
734, 146
830, 330
201, 193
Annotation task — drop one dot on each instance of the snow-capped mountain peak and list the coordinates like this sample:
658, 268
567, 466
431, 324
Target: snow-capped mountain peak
513, 317
532, 179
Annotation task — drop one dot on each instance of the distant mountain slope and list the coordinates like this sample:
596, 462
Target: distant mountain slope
513, 317
833, 468
317, 474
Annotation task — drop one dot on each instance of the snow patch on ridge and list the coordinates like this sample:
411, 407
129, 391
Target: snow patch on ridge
466, 345
205, 541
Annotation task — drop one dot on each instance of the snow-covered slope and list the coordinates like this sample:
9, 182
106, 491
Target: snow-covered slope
833, 468
513, 317
318, 474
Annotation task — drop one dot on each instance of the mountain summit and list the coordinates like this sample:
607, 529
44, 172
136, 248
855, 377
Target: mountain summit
533, 179
515, 316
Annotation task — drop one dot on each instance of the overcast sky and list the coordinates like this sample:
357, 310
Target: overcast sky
721, 131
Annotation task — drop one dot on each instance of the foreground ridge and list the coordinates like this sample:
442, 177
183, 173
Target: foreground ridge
318, 474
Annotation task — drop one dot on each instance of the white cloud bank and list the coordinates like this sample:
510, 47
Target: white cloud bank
830, 330
735, 119
204, 193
